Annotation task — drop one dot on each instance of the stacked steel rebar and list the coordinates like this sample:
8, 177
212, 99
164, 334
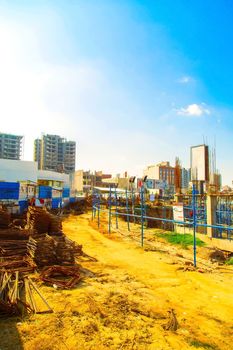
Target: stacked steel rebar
40, 221
5, 219
46, 250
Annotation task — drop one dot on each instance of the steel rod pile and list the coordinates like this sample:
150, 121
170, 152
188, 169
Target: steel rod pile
14, 234
17, 295
40, 221
46, 250
41, 244
55, 225
42, 250
4, 219
11, 248
62, 276
65, 251
9, 294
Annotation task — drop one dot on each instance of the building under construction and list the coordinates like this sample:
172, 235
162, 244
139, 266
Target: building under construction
55, 153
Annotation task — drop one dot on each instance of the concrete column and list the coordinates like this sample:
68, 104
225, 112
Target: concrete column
211, 213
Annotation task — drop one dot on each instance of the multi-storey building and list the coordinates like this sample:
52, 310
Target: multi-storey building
162, 171
96, 178
55, 153
37, 152
11, 146
185, 178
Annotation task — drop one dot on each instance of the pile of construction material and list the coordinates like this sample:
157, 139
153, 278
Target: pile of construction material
13, 251
65, 277
5, 219
17, 295
40, 221
79, 207
46, 250
41, 244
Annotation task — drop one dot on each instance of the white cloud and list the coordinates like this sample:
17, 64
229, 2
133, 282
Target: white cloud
185, 79
194, 110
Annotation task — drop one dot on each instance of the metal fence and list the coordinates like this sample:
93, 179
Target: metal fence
134, 209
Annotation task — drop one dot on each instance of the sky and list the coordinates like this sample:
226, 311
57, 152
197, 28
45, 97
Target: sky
132, 82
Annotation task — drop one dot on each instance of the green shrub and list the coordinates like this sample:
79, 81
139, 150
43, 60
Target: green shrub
229, 261
184, 240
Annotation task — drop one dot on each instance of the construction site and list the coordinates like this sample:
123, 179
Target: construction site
115, 271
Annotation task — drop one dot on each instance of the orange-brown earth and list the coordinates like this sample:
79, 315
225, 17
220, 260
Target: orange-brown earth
124, 299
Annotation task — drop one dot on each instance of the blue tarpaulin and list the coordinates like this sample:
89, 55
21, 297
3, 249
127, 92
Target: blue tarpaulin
66, 193
45, 192
56, 203
23, 205
9, 190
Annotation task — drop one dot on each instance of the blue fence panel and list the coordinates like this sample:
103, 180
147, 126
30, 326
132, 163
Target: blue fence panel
9, 190
23, 205
56, 203
66, 193
45, 192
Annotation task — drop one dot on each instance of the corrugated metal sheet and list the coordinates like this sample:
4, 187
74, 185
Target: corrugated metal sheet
56, 203
9, 190
23, 205
66, 193
45, 192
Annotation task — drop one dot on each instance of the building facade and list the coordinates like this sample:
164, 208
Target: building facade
55, 153
11, 146
162, 171
185, 178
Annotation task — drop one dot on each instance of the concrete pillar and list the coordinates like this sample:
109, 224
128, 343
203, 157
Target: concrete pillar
211, 213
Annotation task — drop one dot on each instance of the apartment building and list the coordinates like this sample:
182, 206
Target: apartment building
55, 153
11, 146
162, 171
185, 178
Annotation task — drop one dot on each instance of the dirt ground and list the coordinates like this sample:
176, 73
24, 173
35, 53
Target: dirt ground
125, 298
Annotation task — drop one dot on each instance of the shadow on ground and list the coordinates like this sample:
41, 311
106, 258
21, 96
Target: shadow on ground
9, 335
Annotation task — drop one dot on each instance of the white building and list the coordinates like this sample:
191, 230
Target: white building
27, 172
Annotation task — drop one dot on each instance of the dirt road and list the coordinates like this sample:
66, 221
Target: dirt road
124, 300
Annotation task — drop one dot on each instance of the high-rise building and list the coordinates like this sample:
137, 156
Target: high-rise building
55, 153
37, 152
185, 178
11, 146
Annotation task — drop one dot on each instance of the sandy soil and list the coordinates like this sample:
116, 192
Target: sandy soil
124, 299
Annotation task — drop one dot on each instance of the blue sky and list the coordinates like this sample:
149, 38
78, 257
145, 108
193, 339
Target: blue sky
133, 82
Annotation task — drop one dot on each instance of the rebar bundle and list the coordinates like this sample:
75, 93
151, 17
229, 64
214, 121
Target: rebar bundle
40, 221
5, 218
17, 295
47, 250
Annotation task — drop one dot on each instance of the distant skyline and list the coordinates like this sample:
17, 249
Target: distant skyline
132, 82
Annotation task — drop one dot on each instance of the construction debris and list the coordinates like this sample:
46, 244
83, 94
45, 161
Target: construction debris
5, 219
172, 324
14, 234
25, 265
17, 297
47, 250
40, 244
65, 277
11, 248
40, 221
